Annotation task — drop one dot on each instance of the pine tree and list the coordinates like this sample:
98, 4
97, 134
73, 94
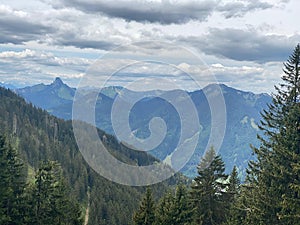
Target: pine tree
234, 183
174, 209
12, 184
181, 208
146, 212
274, 178
165, 210
5, 193
208, 195
52, 200
290, 145
236, 213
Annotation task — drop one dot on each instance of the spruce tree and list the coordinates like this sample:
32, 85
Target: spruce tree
273, 177
181, 208
208, 194
146, 212
5, 193
12, 184
165, 210
174, 209
52, 200
234, 183
235, 200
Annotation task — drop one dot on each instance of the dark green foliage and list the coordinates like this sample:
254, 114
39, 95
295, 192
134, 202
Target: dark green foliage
146, 212
164, 210
42, 137
47, 201
208, 195
181, 208
271, 192
235, 215
12, 184
52, 202
174, 209
273, 197
234, 186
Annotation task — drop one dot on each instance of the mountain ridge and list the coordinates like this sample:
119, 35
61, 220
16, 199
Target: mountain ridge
39, 136
242, 114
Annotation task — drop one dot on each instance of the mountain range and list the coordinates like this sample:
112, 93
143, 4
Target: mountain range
39, 136
242, 116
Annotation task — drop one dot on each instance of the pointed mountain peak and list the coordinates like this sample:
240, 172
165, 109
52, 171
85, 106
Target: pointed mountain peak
57, 81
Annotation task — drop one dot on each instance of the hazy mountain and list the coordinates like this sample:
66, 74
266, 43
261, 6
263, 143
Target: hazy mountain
48, 96
8, 85
242, 115
39, 136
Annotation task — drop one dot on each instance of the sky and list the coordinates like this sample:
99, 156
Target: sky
147, 43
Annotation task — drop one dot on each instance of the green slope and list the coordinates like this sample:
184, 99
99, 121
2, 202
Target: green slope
40, 136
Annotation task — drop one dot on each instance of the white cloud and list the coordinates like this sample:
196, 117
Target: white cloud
253, 31
29, 66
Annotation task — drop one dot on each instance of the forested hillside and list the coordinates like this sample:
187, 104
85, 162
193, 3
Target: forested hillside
242, 116
271, 191
40, 137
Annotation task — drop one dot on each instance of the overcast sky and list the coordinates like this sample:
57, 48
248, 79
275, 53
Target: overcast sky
241, 43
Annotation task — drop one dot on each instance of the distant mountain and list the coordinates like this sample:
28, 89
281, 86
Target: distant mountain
48, 96
8, 86
242, 113
39, 136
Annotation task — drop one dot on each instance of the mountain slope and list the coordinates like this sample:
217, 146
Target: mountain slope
48, 96
40, 136
242, 114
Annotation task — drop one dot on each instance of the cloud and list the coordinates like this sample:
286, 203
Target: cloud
244, 45
17, 27
78, 42
39, 66
166, 11
240, 8
58, 27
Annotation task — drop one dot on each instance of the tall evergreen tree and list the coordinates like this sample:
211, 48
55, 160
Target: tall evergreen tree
12, 184
182, 211
235, 215
274, 178
52, 200
174, 209
5, 193
165, 210
146, 212
234, 183
208, 194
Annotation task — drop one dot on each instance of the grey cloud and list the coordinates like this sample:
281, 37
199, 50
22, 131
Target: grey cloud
237, 9
17, 30
244, 45
166, 12
82, 43
18, 27
163, 12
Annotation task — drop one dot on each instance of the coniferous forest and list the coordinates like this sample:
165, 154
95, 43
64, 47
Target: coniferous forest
39, 152
270, 193
45, 180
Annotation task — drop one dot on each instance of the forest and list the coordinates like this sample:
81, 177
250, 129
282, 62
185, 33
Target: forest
270, 193
45, 180
36, 144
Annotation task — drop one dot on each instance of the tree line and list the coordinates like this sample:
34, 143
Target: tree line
270, 193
